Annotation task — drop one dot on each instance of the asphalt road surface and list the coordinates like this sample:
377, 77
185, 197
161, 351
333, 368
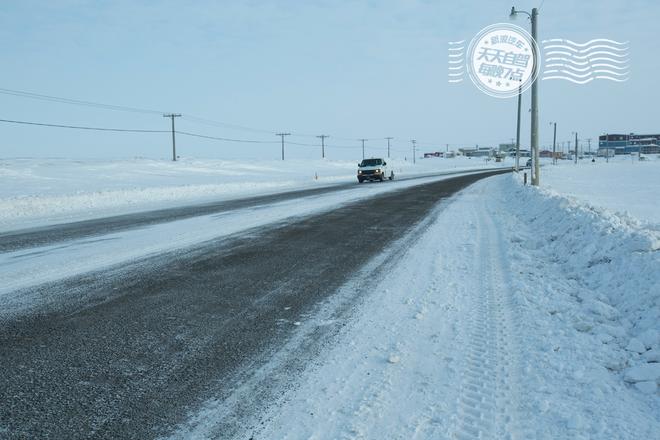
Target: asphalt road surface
46, 235
165, 334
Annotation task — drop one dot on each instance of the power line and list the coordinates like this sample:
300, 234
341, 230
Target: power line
62, 100
189, 117
216, 138
78, 127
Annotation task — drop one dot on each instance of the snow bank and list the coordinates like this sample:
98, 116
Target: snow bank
608, 263
36, 192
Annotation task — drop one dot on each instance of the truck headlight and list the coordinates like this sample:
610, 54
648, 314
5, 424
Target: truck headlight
359, 171
378, 171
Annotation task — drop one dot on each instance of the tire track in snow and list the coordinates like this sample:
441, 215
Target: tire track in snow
487, 406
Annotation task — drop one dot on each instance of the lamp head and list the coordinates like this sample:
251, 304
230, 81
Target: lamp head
512, 15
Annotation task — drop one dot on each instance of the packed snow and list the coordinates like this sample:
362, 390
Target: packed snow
518, 313
511, 312
37, 192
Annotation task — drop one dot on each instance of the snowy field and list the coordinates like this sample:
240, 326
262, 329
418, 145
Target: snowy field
624, 185
36, 192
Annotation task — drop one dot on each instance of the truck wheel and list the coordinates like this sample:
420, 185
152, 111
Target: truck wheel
391, 175
360, 180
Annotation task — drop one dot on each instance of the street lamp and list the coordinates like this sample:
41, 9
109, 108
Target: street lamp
535, 92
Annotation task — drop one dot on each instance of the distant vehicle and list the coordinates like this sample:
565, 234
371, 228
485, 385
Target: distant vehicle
528, 163
374, 169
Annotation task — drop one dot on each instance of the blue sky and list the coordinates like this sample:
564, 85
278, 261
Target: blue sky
350, 69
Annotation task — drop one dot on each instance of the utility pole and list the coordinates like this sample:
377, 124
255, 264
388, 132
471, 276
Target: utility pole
576, 148
589, 145
322, 137
172, 116
447, 149
554, 144
518, 129
534, 145
388, 146
363, 140
414, 145
535, 105
282, 136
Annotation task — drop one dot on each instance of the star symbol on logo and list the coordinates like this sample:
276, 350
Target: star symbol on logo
499, 83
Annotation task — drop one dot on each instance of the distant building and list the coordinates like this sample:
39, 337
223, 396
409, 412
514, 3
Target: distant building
507, 147
477, 152
629, 143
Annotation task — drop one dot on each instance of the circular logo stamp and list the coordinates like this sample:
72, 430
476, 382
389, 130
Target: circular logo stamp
501, 59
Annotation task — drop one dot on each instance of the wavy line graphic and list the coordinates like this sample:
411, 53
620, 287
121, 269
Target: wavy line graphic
456, 56
588, 80
588, 43
581, 63
585, 69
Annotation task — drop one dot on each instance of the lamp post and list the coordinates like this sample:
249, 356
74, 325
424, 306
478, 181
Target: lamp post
535, 93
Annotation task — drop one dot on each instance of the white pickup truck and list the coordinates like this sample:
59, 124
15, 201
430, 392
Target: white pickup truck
374, 169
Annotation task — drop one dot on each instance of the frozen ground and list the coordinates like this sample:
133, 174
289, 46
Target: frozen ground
518, 314
35, 192
623, 185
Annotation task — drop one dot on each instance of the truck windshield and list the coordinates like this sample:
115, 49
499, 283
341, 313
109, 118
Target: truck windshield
371, 162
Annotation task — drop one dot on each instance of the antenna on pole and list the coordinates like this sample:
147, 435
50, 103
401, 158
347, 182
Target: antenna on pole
172, 116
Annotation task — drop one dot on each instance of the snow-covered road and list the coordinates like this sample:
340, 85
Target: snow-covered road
476, 332
74, 257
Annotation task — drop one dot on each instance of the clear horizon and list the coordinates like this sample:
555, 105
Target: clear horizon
350, 70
